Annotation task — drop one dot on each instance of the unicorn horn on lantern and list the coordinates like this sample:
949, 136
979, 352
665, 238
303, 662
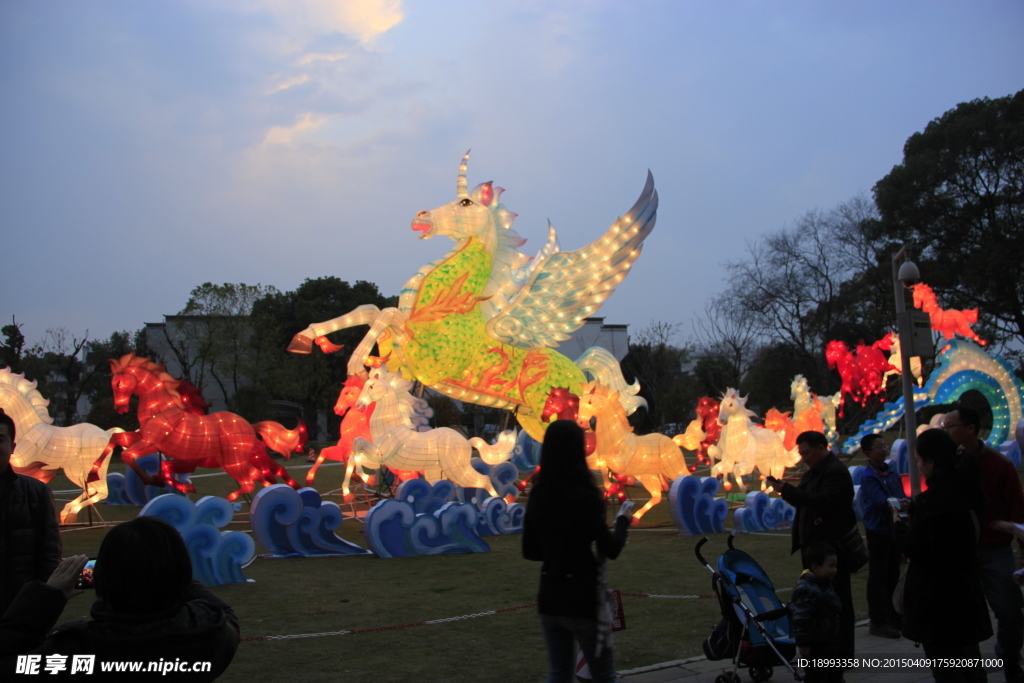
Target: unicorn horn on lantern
461, 190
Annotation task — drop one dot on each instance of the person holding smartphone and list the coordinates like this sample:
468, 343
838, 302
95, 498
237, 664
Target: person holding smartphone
879, 485
565, 521
148, 607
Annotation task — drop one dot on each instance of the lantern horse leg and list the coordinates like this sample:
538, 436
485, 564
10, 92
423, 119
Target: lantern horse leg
367, 314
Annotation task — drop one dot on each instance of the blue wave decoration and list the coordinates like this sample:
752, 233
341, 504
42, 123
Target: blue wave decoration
901, 455
693, 505
290, 523
217, 556
526, 454
761, 512
394, 529
427, 498
497, 516
503, 478
128, 489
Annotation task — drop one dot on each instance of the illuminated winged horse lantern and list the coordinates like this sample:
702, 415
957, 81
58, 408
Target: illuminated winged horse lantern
478, 324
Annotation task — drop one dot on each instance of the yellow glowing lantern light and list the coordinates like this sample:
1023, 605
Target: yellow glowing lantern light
650, 458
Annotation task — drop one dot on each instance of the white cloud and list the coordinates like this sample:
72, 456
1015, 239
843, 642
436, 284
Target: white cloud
321, 57
361, 19
285, 135
287, 83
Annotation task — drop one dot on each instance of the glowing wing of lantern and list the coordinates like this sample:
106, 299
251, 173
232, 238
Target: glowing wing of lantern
549, 298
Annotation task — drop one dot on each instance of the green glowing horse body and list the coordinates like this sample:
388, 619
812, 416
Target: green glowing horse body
479, 323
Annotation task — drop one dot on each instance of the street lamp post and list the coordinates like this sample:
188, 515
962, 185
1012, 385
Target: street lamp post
901, 276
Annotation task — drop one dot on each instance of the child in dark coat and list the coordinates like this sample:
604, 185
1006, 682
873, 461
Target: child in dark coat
814, 613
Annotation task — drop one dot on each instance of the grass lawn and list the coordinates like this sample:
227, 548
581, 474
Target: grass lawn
316, 595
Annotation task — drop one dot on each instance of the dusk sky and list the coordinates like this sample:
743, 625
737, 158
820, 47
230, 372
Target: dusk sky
148, 147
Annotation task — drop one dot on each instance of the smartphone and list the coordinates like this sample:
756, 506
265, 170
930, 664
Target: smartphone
894, 503
627, 508
85, 580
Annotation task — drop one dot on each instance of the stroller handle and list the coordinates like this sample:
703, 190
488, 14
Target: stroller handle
700, 557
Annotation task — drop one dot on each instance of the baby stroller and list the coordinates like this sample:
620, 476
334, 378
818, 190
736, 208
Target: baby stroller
754, 630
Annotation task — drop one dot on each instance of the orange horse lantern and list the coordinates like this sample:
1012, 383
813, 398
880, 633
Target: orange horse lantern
946, 322
354, 423
166, 425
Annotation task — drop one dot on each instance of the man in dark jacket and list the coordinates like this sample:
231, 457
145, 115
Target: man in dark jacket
29, 540
1004, 504
824, 512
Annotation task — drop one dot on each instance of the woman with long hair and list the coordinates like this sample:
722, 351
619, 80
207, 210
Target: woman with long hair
943, 604
565, 518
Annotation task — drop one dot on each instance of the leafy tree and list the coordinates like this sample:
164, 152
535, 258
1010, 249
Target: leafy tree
11, 349
714, 373
61, 375
958, 197
313, 381
212, 336
67, 368
767, 385
101, 411
659, 365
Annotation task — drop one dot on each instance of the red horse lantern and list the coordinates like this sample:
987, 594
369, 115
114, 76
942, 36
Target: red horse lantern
707, 411
861, 371
166, 425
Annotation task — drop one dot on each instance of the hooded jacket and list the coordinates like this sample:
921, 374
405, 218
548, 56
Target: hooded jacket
201, 629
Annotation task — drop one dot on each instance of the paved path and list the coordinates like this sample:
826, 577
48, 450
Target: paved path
700, 670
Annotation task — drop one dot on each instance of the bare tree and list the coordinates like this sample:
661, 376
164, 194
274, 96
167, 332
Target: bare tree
726, 331
791, 284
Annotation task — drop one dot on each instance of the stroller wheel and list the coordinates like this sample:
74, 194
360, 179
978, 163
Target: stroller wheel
760, 673
728, 677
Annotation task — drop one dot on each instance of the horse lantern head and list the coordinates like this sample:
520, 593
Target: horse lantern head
707, 407
192, 399
836, 352
470, 214
124, 383
798, 387
591, 404
349, 394
776, 420
732, 404
560, 400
